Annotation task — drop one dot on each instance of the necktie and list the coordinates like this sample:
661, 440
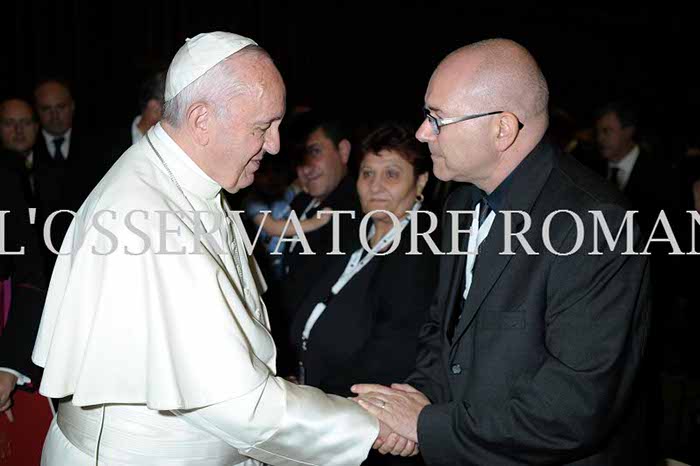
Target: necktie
58, 155
484, 210
614, 175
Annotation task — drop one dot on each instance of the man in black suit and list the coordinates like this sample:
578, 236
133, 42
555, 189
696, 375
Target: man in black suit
66, 166
28, 289
323, 172
650, 186
525, 359
18, 131
644, 178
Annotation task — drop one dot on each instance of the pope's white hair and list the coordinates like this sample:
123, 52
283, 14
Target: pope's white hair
226, 80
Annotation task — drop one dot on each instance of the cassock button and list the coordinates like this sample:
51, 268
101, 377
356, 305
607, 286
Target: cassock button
456, 369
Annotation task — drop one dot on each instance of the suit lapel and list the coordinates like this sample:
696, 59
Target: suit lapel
489, 266
526, 185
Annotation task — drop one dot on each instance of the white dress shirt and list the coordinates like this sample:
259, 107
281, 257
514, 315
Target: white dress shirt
65, 146
136, 133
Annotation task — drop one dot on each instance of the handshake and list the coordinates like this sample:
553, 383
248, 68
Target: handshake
397, 408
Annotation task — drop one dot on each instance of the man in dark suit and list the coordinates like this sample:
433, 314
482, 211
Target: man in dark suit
18, 131
28, 289
322, 158
650, 186
525, 359
66, 166
323, 172
648, 183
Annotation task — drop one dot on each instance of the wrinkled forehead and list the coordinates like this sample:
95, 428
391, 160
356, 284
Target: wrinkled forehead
267, 83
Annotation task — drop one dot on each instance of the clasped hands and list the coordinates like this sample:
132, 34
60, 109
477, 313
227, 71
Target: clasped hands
397, 408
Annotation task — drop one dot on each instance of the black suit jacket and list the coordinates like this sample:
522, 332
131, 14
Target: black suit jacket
28, 284
369, 332
544, 366
303, 270
64, 186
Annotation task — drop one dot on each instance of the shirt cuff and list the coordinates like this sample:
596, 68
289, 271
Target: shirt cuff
21, 379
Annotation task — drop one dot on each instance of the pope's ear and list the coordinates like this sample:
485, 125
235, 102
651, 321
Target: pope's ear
198, 122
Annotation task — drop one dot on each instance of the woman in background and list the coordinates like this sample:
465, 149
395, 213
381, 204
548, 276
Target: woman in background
360, 322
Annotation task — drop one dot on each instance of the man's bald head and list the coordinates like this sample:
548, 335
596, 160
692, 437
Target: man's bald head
498, 83
496, 74
55, 106
18, 127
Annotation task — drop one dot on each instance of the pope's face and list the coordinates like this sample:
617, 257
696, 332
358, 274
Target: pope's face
247, 131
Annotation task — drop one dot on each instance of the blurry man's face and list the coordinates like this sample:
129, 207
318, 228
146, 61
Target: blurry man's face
324, 166
153, 112
614, 140
55, 107
239, 141
17, 126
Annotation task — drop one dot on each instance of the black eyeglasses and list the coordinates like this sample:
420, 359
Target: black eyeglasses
437, 123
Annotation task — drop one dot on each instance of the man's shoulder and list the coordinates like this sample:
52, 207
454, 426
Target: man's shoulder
579, 188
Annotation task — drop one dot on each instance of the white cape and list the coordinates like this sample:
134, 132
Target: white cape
172, 331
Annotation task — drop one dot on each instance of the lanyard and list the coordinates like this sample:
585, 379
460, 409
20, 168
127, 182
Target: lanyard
356, 263
310, 206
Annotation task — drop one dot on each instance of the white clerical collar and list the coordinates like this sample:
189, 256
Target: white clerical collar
185, 171
626, 163
136, 133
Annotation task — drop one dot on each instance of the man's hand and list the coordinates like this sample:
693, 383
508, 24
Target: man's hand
7, 386
389, 441
398, 407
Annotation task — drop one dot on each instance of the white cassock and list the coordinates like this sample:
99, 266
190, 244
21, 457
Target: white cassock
167, 354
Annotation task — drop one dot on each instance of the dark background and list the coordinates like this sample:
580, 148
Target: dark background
366, 59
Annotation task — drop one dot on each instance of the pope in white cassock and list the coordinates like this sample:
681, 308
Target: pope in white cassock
153, 324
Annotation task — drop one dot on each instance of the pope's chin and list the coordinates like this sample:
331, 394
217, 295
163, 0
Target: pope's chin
243, 181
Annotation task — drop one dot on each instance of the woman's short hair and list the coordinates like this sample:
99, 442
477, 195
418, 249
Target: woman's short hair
399, 138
